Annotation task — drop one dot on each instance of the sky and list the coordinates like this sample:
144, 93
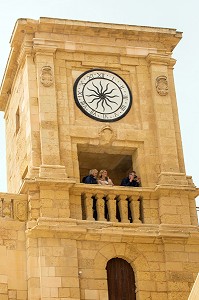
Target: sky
178, 14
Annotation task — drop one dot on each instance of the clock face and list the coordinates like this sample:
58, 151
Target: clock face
102, 95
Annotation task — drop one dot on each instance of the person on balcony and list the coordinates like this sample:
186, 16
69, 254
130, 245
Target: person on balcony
103, 178
131, 180
91, 178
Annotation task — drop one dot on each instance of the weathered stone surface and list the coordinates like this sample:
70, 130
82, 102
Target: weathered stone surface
52, 245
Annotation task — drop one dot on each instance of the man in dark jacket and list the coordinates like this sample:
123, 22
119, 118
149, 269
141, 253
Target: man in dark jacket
131, 180
91, 178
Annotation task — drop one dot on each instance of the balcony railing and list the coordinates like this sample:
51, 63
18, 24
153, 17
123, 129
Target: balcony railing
119, 208
13, 206
91, 202
108, 204
86, 202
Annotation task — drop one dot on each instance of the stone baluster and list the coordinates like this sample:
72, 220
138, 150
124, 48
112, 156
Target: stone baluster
88, 202
100, 207
123, 208
135, 209
111, 204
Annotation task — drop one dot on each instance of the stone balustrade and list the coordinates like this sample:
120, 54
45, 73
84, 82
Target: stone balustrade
87, 202
13, 206
120, 208
107, 203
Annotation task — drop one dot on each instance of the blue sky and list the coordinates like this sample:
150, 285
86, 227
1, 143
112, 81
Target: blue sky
178, 14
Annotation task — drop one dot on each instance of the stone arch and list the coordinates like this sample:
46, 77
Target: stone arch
125, 251
120, 279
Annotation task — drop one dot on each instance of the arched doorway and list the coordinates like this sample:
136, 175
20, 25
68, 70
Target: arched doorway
121, 280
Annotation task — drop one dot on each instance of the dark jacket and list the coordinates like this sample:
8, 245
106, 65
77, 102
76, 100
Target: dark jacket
90, 179
126, 182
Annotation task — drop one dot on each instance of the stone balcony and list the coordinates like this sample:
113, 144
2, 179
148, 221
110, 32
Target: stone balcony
91, 203
113, 204
95, 203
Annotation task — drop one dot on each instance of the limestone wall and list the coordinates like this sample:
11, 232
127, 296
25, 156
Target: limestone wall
58, 234
52, 128
73, 262
16, 142
13, 263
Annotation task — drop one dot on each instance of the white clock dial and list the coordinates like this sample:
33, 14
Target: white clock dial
102, 95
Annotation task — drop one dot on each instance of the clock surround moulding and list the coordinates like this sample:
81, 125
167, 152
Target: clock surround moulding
102, 95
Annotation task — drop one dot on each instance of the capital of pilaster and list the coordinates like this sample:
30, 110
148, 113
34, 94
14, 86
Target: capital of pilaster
172, 178
160, 59
52, 171
26, 50
42, 47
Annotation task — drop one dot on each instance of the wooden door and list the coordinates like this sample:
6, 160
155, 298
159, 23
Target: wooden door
121, 280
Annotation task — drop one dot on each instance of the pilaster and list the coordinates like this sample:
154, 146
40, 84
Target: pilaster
32, 126
49, 135
161, 93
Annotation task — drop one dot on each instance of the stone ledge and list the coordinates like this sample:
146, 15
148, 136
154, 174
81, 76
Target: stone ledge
78, 229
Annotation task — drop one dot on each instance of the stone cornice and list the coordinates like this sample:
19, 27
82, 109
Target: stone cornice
145, 192
125, 40
78, 188
144, 233
63, 26
160, 59
42, 182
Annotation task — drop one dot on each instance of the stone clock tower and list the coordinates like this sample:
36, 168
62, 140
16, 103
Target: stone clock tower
79, 96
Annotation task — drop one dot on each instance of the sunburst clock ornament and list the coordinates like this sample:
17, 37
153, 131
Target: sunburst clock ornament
102, 95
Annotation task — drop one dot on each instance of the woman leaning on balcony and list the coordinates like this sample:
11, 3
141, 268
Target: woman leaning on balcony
103, 178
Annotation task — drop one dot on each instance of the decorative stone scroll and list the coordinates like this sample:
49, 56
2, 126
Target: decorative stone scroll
162, 85
106, 135
20, 211
46, 76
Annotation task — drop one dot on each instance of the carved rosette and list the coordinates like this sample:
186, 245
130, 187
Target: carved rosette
46, 76
162, 85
